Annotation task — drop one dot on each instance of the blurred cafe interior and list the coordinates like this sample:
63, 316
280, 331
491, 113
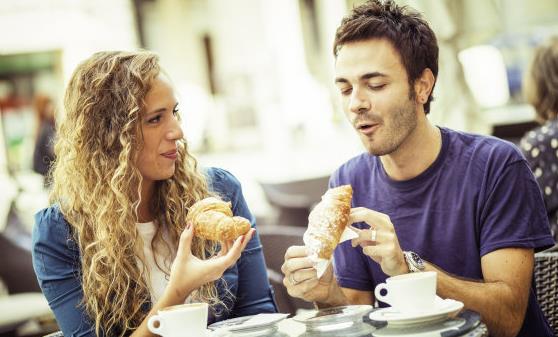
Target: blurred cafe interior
255, 79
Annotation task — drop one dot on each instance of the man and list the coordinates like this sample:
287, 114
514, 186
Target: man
467, 205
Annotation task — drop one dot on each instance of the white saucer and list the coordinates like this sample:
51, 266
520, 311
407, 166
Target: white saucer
441, 311
254, 322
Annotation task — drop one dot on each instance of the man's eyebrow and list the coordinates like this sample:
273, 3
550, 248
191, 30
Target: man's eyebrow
368, 76
363, 77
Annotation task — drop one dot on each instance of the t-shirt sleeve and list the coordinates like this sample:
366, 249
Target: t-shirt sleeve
513, 214
56, 264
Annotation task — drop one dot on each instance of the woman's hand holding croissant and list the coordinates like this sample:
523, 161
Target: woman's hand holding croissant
189, 272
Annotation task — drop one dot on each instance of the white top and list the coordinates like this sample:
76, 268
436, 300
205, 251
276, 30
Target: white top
158, 280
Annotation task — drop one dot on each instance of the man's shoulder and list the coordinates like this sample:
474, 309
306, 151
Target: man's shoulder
482, 147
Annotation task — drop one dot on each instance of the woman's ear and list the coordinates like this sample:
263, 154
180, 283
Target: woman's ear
424, 85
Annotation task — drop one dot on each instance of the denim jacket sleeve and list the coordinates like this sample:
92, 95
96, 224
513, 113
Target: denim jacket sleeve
247, 279
56, 261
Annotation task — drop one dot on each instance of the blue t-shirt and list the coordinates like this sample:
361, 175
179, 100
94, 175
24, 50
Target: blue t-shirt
478, 196
56, 259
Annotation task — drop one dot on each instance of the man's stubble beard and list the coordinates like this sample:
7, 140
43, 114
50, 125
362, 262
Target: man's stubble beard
403, 123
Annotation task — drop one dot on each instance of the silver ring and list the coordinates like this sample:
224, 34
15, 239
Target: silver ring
373, 234
292, 279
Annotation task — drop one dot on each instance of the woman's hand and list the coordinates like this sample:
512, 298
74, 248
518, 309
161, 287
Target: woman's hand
379, 242
189, 272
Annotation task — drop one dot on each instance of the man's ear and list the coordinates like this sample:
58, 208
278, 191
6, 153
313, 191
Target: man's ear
424, 85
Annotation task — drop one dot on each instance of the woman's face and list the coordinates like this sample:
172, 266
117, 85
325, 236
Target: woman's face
161, 130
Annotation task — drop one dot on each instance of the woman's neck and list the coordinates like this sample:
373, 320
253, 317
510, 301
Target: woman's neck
145, 212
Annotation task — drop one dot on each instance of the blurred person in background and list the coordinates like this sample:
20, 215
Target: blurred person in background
426, 198
43, 153
114, 247
540, 146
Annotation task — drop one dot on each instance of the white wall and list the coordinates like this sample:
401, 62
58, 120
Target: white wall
75, 27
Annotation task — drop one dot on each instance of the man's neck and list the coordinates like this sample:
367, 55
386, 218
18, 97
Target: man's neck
415, 154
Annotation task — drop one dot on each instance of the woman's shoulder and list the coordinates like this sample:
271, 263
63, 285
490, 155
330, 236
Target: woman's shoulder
221, 181
50, 226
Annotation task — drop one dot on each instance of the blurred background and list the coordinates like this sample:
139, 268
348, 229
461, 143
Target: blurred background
257, 97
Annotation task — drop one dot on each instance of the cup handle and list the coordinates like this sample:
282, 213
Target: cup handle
379, 296
151, 325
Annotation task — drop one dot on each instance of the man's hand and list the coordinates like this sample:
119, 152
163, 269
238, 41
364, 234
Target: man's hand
379, 242
301, 279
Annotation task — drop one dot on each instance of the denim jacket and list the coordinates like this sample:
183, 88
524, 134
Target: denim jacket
57, 263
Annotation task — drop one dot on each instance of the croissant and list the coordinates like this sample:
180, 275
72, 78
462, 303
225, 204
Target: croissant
213, 220
328, 220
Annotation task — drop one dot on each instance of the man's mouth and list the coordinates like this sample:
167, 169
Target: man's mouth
367, 128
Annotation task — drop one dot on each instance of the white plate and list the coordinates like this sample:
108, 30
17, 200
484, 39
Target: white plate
260, 321
443, 309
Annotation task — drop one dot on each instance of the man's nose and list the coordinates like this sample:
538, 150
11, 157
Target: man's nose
359, 102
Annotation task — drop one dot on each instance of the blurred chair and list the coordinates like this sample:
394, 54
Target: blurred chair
546, 279
275, 241
16, 269
293, 200
22, 304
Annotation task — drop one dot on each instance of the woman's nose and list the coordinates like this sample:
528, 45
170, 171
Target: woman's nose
175, 131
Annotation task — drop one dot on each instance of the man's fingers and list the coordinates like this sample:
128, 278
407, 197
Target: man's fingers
296, 251
300, 290
366, 237
370, 217
293, 264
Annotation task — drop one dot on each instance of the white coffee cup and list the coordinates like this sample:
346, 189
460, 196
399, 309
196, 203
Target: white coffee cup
409, 293
183, 320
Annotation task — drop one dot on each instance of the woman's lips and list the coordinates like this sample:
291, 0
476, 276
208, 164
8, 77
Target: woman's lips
170, 155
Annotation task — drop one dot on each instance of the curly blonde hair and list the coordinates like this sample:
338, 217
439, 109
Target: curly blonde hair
96, 185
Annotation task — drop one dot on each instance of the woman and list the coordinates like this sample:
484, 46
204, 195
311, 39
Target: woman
114, 248
540, 146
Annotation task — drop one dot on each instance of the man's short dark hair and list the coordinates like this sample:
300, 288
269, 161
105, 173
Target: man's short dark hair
405, 28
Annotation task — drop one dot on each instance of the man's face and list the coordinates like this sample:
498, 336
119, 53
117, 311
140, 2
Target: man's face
161, 129
375, 94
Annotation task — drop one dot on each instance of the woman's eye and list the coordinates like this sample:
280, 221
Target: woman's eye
155, 119
346, 91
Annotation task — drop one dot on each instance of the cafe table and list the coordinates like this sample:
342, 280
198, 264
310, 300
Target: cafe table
347, 322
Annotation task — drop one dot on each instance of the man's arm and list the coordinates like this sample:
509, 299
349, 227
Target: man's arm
502, 297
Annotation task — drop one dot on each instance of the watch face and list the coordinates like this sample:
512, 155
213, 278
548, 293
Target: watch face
416, 261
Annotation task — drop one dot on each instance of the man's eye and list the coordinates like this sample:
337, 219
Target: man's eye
376, 87
346, 91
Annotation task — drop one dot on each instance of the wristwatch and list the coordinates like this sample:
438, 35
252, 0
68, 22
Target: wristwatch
414, 262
